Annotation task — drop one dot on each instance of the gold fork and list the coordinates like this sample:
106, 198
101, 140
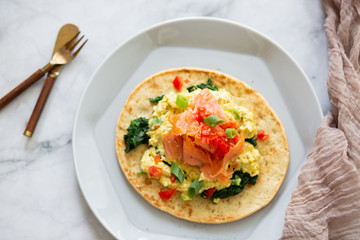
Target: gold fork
62, 56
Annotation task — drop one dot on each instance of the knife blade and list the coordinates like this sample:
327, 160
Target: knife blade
66, 33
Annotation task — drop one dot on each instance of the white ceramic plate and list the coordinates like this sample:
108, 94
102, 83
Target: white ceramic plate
199, 42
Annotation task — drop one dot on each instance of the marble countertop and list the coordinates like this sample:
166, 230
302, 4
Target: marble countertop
40, 196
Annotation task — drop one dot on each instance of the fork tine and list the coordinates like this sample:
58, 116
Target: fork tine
69, 42
70, 48
78, 50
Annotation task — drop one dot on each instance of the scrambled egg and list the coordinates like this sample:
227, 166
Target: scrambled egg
247, 161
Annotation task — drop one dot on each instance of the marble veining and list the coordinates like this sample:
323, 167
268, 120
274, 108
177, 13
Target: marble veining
40, 197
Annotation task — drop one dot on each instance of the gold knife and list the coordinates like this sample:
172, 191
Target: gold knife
66, 33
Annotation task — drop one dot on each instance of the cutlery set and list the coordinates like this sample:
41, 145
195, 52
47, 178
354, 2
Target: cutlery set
63, 53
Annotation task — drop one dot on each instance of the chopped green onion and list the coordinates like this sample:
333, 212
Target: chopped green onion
236, 113
178, 173
141, 172
185, 198
230, 132
157, 99
194, 188
213, 120
236, 181
155, 122
182, 102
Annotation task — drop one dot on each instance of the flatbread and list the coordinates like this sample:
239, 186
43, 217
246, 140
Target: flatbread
274, 151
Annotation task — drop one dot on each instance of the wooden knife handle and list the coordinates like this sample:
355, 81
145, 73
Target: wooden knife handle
45, 91
21, 87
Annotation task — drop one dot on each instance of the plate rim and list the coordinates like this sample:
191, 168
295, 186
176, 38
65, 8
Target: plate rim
147, 29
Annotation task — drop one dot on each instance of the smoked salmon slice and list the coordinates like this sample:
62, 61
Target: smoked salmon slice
193, 155
205, 99
173, 145
185, 123
218, 169
236, 150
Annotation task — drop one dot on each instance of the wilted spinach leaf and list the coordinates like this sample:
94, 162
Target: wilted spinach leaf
137, 133
233, 189
157, 99
252, 141
208, 85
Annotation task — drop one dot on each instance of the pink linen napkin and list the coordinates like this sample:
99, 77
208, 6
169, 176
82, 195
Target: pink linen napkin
326, 202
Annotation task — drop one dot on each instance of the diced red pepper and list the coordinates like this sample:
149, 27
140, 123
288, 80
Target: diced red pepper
210, 192
166, 195
172, 178
178, 83
222, 149
155, 171
156, 126
201, 113
261, 135
157, 158
217, 141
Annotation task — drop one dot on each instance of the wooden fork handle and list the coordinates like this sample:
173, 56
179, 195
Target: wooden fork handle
45, 91
21, 87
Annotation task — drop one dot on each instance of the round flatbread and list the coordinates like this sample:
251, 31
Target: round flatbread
274, 150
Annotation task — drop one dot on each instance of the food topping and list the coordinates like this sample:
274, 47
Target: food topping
157, 158
208, 85
205, 143
230, 132
210, 192
177, 172
166, 195
261, 135
155, 171
137, 133
200, 142
235, 189
193, 190
234, 111
172, 178
155, 123
178, 82
140, 172
252, 141
157, 99
213, 120
182, 102
173, 145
